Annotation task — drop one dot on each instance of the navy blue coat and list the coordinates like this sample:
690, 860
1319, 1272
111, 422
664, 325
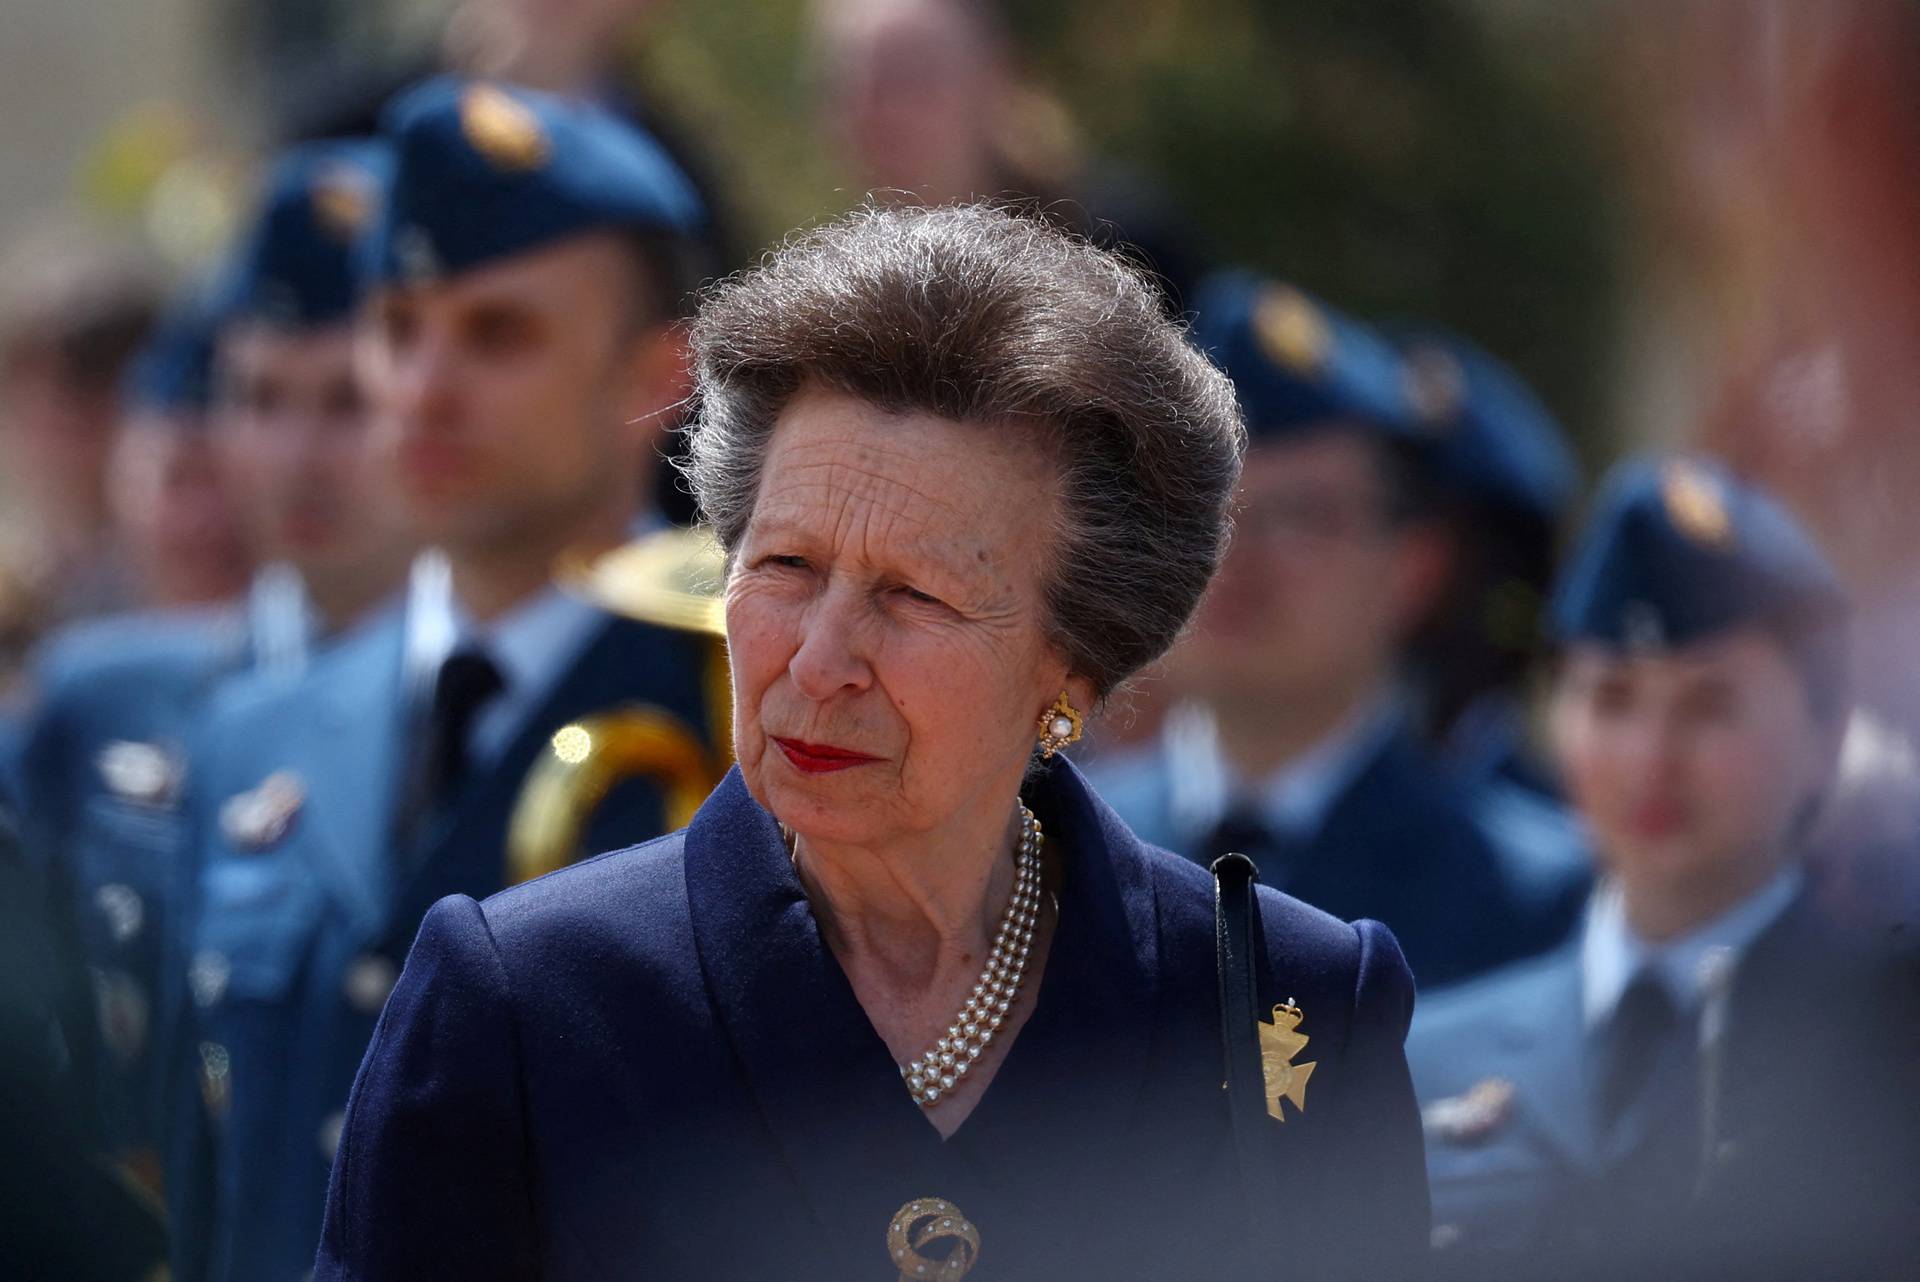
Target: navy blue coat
102, 773
1815, 1162
651, 1066
1402, 844
295, 942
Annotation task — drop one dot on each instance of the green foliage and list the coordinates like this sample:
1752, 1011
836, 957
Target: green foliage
1403, 158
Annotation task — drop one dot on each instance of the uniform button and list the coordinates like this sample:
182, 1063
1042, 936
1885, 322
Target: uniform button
330, 1130
121, 1004
207, 977
123, 908
370, 977
216, 1077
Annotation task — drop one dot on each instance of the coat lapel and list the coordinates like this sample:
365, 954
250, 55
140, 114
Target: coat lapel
1545, 1041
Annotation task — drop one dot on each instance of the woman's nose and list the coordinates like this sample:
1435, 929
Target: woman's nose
831, 657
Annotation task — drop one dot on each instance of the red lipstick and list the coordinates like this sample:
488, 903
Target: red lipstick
820, 758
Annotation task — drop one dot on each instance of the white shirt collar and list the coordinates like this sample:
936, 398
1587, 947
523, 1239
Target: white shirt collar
532, 645
282, 624
1294, 799
1611, 955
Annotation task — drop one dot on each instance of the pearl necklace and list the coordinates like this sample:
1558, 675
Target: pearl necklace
932, 1077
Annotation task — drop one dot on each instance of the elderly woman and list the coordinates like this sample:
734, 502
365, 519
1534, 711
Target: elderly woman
906, 997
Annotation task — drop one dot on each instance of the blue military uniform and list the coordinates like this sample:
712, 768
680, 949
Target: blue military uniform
691, 1090
103, 763
321, 840
1772, 1132
1368, 824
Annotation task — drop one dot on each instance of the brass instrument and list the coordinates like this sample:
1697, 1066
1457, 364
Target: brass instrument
671, 579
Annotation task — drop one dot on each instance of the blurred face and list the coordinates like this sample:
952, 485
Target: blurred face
58, 442
506, 395
910, 87
1690, 766
173, 509
885, 623
294, 430
1320, 585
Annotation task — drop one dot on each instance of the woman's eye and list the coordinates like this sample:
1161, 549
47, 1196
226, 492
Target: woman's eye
789, 561
915, 594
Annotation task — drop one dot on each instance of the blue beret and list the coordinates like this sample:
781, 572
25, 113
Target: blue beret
1679, 549
1296, 364
1498, 443
485, 170
172, 374
296, 265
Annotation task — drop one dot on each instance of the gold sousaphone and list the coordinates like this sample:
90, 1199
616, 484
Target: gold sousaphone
671, 579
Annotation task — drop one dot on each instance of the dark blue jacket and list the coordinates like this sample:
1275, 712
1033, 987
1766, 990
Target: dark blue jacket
1813, 1166
651, 1066
295, 942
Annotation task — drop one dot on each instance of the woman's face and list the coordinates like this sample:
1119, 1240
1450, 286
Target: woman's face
1690, 766
885, 623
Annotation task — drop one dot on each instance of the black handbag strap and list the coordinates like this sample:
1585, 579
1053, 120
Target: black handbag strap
1236, 927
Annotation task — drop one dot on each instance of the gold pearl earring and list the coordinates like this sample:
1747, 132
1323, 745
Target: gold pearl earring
1060, 725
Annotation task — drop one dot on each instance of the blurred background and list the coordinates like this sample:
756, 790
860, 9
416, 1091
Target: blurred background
1687, 221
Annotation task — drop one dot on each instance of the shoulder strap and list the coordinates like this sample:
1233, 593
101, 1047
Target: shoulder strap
1236, 926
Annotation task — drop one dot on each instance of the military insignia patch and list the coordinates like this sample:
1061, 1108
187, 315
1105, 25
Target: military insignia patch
1280, 1041
502, 129
342, 196
929, 1239
1695, 504
1473, 1117
145, 773
1291, 330
260, 818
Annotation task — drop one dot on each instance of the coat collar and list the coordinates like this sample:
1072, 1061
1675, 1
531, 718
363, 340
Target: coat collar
825, 1082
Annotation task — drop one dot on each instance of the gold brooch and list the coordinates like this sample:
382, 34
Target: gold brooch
1279, 1043
502, 129
930, 1221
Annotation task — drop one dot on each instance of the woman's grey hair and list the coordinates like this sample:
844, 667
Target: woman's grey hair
978, 315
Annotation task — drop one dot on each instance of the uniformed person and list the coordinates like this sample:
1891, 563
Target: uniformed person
264, 354
1710, 1081
1296, 746
521, 350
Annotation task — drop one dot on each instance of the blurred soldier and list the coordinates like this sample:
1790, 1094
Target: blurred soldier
172, 506
117, 699
923, 100
1507, 482
74, 312
64, 1213
521, 347
1710, 1081
1296, 748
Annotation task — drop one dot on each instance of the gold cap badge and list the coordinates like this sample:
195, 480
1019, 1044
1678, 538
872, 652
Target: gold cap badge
1434, 385
502, 129
342, 196
1279, 1043
1291, 330
1695, 504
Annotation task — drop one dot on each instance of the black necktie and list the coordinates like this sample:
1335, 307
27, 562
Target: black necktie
1639, 1035
468, 681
